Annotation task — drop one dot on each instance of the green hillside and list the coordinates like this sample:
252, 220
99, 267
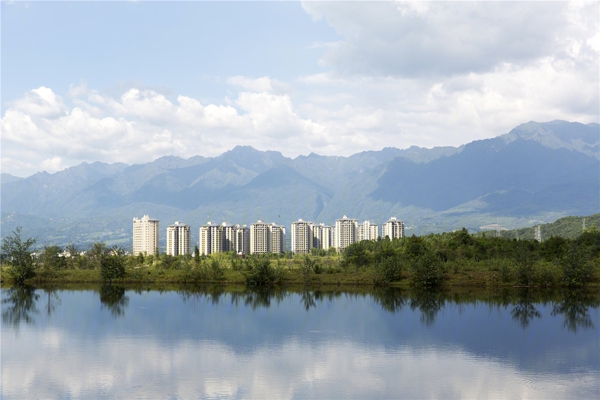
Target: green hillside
567, 227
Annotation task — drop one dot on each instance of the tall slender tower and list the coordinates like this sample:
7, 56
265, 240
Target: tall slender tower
145, 236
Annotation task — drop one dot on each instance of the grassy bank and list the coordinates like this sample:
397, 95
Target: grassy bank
294, 273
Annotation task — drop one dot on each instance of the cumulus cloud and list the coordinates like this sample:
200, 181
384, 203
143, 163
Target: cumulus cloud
43, 131
425, 74
447, 38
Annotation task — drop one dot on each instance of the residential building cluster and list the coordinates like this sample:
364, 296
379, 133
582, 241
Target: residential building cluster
260, 237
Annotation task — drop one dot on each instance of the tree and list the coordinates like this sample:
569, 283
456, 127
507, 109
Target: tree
52, 259
112, 265
196, 255
19, 254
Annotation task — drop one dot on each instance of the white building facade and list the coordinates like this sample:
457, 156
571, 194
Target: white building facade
302, 236
145, 236
368, 231
346, 232
178, 239
267, 238
394, 229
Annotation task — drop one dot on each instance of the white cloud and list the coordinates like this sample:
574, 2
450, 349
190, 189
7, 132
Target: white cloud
425, 74
447, 38
320, 368
264, 84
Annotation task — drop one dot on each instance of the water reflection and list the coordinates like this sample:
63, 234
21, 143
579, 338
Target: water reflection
387, 343
19, 305
429, 303
524, 310
114, 299
23, 304
574, 305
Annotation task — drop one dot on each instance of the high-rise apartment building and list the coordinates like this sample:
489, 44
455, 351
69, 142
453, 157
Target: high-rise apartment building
277, 239
302, 236
267, 238
211, 238
178, 239
243, 239
229, 237
368, 231
260, 237
145, 236
346, 232
322, 236
393, 229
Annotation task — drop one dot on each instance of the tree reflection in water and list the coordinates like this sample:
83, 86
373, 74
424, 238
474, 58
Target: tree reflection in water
113, 297
390, 299
524, 310
574, 305
19, 304
308, 300
429, 302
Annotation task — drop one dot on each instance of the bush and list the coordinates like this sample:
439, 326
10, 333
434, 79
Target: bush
427, 271
576, 270
547, 273
216, 270
112, 266
261, 273
388, 270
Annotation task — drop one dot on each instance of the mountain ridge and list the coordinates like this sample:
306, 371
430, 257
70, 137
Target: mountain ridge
535, 172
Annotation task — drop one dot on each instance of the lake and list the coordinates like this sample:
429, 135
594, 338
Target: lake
210, 343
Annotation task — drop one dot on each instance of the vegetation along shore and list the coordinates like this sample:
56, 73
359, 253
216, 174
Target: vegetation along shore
432, 261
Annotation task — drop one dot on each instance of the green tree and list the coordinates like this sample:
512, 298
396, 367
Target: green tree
427, 271
196, 255
52, 259
20, 255
112, 265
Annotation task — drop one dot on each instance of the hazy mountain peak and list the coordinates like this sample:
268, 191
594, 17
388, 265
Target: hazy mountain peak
7, 178
559, 134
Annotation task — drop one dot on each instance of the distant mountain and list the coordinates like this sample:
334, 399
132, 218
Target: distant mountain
7, 178
567, 227
537, 172
560, 135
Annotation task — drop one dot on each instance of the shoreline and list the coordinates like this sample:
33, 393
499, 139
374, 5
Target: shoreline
293, 277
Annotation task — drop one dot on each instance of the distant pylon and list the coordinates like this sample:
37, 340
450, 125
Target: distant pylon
538, 233
583, 225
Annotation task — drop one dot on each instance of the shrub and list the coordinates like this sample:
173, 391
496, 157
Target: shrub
427, 271
576, 270
261, 273
112, 266
388, 270
216, 270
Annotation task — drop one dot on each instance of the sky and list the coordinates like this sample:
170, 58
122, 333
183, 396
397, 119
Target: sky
134, 81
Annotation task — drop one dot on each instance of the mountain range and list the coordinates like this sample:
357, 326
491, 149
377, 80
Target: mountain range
535, 173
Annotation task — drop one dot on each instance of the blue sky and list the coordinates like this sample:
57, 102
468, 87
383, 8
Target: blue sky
134, 81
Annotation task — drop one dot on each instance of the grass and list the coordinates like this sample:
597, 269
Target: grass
475, 274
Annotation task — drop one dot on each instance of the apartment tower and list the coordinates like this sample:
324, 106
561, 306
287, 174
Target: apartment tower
302, 236
393, 229
178, 239
346, 232
145, 236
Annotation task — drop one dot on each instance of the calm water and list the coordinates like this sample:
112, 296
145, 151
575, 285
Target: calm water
119, 343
